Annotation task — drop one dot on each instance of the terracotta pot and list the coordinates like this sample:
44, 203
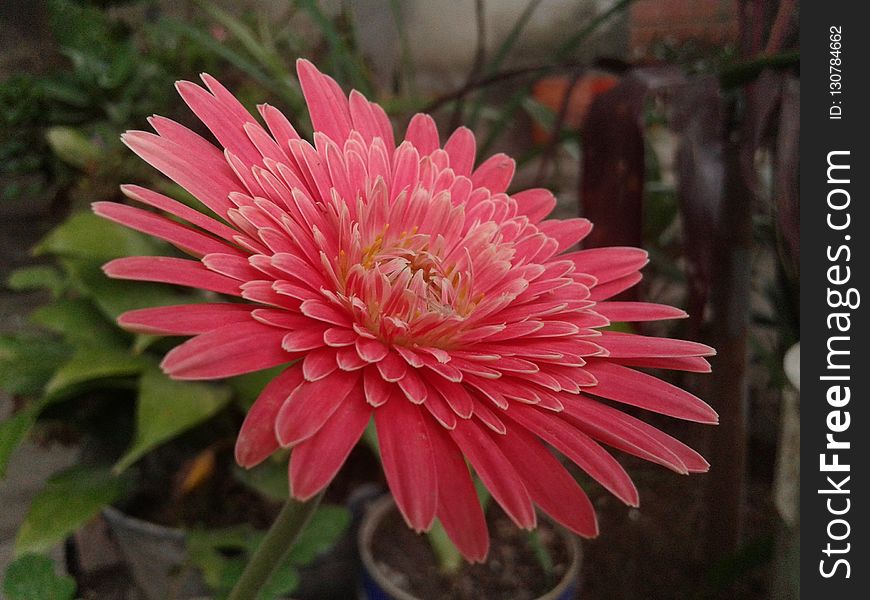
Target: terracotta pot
376, 586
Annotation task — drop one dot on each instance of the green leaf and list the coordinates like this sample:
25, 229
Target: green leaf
321, 533
28, 361
269, 478
40, 277
248, 386
85, 235
79, 321
69, 500
116, 296
167, 408
33, 577
72, 147
92, 363
12, 432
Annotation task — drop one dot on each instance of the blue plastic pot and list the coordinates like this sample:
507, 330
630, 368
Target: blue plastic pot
375, 586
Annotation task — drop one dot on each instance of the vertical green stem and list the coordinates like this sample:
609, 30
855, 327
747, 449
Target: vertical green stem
279, 539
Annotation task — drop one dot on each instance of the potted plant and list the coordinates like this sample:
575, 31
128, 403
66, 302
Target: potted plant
400, 286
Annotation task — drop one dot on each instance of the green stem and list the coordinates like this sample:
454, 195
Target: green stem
279, 539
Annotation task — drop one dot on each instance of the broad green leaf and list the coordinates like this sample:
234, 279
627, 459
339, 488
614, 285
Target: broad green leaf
269, 478
12, 432
167, 408
33, 577
85, 235
68, 501
79, 321
205, 546
321, 533
116, 296
248, 386
91, 363
72, 147
27, 362
40, 277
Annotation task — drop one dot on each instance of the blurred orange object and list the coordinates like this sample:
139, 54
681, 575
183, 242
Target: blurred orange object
551, 91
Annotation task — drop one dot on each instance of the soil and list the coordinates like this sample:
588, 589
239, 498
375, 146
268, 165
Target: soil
512, 571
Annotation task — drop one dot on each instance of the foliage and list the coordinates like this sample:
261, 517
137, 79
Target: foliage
222, 554
32, 577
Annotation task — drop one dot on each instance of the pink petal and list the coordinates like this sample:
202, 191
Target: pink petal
495, 173
578, 447
694, 364
458, 507
229, 350
645, 391
303, 340
456, 396
495, 471
318, 364
194, 217
629, 434
413, 387
177, 271
621, 345
371, 350
460, 147
185, 319
535, 203
567, 232
226, 124
377, 391
612, 288
638, 311
186, 238
256, 440
548, 483
311, 405
314, 462
423, 133
279, 126
609, 264
409, 461
326, 102
210, 181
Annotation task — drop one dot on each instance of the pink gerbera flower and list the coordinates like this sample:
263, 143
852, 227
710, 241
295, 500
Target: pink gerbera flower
403, 284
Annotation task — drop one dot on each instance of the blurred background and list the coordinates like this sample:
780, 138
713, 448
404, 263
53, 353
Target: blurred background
672, 124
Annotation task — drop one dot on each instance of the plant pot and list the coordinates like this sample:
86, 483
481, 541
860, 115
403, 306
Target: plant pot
156, 557
377, 585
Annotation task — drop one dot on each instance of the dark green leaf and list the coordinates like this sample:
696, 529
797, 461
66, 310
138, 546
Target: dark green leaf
27, 362
40, 277
68, 501
33, 577
321, 533
12, 432
167, 408
85, 235
91, 363
80, 322
116, 296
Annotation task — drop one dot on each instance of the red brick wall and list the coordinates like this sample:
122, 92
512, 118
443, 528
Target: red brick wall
710, 22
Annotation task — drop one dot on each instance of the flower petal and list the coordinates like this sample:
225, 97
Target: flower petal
185, 319
495, 471
311, 405
458, 506
178, 271
257, 440
314, 462
226, 351
409, 460
628, 386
